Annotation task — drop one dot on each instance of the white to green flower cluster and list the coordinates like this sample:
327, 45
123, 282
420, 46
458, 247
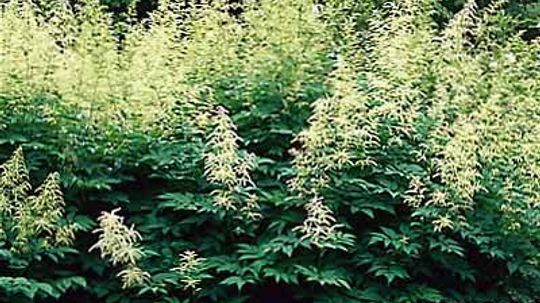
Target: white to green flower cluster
120, 244
320, 225
25, 217
191, 269
225, 165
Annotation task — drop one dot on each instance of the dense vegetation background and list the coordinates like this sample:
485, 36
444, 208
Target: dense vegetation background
269, 151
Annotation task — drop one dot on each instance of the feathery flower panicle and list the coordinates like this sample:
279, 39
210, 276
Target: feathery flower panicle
251, 209
88, 78
116, 240
225, 199
133, 276
191, 270
223, 156
151, 62
27, 52
320, 225
439, 199
453, 140
65, 234
120, 244
341, 132
442, 223
14, 183
483, 27
225, 164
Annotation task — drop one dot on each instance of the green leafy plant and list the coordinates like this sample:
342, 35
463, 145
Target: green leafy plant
32, 229
281, 150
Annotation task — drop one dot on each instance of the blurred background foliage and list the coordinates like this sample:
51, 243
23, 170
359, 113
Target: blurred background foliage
526, 11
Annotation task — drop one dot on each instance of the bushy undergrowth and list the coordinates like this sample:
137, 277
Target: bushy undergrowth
269, 151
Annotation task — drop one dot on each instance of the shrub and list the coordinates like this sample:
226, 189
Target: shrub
273, 150
33, 232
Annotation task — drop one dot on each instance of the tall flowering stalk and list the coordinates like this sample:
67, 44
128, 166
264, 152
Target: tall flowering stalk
342, 130
225, 165
191, 269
